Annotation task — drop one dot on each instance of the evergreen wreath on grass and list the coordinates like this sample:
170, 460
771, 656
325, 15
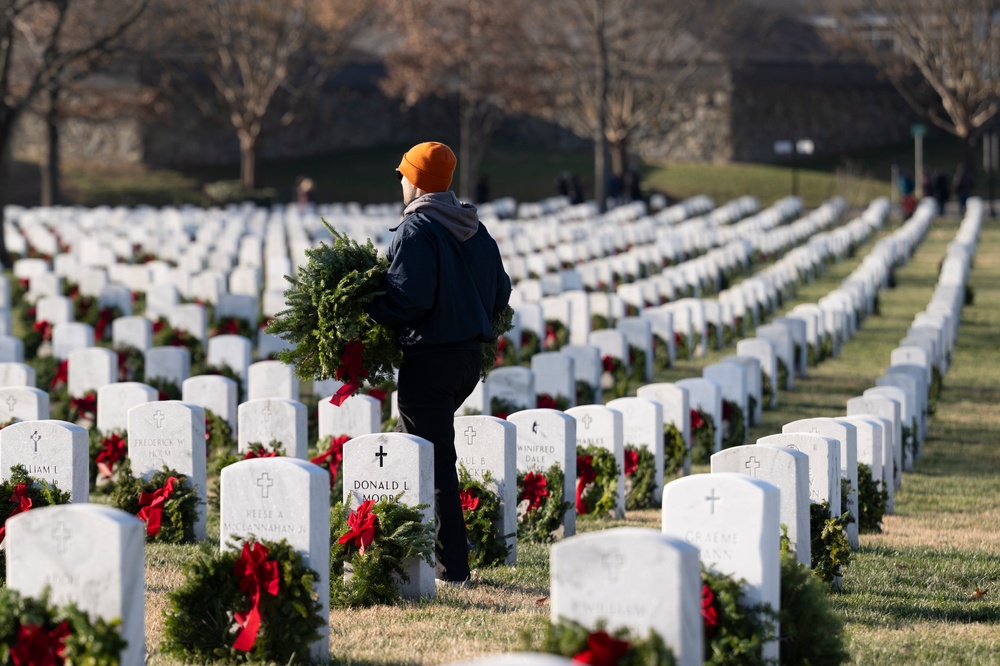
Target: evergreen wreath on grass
910, 439
502, 408
766, 390
530, 345
711, 335
599, 322
219, 441
131, 364
165, 335
483, 513
681, 349
108, 451
661, 353
782, 375
735, 632
540, 504
614, 377
733, 425
556, 335
372, 544
224, 594
640, 477
674, 449
811, 630
168, 390
596, 481
330, 456
330, 334
702, 437
546, 401
829, 547
34, 631
637, 361
22, 493
585, 393
232, 326
167, 502
506, 354
619, 648
873, 501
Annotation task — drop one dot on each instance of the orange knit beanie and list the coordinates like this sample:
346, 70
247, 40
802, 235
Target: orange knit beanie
429, 166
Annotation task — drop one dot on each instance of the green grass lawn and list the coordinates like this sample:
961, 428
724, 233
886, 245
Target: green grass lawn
925, 591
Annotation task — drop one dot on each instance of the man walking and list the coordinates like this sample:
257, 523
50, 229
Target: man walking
445, 287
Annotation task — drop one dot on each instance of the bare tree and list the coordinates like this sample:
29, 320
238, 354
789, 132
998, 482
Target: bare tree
468, 50
615, 65
34, 53
263, 60
943, 56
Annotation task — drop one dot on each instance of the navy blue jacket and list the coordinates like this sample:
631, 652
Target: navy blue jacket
446, 283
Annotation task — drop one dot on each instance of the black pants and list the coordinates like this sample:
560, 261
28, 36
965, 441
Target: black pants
432, 385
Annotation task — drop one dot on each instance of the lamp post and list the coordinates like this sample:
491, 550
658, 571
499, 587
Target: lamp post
794, 148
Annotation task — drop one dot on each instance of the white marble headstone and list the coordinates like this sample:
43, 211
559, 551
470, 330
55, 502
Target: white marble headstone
273, 419
55, 451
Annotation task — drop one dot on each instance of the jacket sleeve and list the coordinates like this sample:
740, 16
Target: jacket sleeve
503, 291
411, 283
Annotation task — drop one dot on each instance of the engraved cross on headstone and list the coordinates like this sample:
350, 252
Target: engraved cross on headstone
264, 482
381, 454
35, 437
11, 402
60, 534
612, 562
587, 421
713, 499
753, 465
470, 435
158, 417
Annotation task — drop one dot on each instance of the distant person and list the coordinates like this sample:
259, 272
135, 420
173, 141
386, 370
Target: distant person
926, 186
563, 184
576, 189
303, 192
614, 188
482, 189
942, 190
964, 181
632, 188
906, 184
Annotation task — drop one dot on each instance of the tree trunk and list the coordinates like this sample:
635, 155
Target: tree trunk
7, 120
600, 137
465, 150
249, 146
50, 170
619, 158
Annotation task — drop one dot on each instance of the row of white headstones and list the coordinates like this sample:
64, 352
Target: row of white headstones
260, 494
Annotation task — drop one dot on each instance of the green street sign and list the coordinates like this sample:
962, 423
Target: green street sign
918, 130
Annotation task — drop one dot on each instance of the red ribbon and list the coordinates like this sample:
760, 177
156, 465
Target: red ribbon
602, 650
37, 647
103, 319
61, 376
256, 573
86, 405
333, 456
585, 474
631, 461
545, 401
19, 497
114, 450
350, 371
535, 490
708, 612
696, 420
362, 526
251, 454
152, 506
45, 328
469, 501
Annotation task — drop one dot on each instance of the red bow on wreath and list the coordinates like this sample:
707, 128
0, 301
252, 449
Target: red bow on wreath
333, 456
708, 612
586, 474
152, 506
696, 420
103, 319
44, 328
602, 650
37, 647
251, 454
535, 490
256, 574
23, 502
362, 526
61, 376
350, 371
631, 461
113, 451
469, 501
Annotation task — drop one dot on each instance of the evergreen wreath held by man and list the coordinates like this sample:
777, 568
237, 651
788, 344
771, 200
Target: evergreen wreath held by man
445, 289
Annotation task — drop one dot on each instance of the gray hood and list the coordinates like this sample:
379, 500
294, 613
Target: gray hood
462, 220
